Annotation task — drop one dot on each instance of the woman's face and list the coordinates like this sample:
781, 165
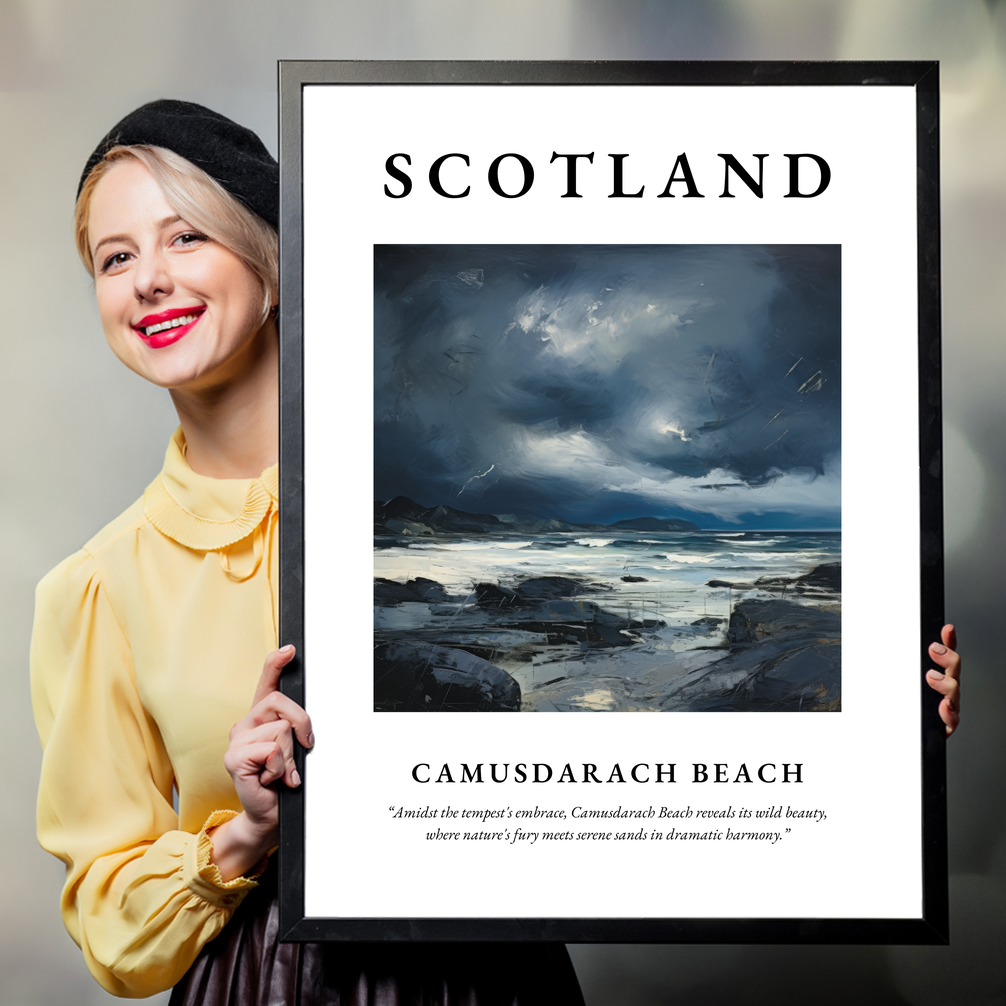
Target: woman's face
177, 308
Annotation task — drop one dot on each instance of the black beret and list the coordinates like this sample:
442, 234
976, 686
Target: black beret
231, 154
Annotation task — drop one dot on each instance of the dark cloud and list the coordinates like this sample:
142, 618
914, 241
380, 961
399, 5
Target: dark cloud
601, 381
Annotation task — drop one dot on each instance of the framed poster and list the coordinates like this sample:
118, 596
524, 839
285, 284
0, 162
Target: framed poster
633, 369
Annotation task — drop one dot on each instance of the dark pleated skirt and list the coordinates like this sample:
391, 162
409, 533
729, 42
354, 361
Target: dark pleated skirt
246, 965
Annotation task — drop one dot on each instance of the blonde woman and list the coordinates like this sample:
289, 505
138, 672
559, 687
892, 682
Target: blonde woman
154, 660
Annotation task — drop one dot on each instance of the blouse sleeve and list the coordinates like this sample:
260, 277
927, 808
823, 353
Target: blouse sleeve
141, 898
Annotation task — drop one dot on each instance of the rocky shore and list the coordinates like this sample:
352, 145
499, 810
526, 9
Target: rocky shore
777, 653
783, 657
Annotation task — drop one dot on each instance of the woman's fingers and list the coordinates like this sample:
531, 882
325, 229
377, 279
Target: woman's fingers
274, 766
947, 686
277, 706
260, 761
270, 703
271, 671
949, 712
945, 656
276, 735
949, 636
946, 681
261, 749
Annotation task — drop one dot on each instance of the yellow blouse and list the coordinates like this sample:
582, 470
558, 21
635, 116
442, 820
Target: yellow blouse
147, 647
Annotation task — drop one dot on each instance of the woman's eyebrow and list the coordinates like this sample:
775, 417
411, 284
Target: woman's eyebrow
109, 240
160, 225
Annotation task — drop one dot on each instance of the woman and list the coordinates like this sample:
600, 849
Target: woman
149, 643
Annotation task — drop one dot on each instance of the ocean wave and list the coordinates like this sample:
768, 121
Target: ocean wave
594, 542
689, 559
447, 546
773, 558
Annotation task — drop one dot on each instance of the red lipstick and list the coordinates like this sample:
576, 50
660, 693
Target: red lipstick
166, 327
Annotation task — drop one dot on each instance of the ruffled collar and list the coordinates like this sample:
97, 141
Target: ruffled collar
203, 513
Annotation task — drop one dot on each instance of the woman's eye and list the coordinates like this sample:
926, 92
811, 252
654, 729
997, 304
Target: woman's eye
114, 261
190, 238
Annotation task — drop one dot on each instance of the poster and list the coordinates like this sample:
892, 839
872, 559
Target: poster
621, 365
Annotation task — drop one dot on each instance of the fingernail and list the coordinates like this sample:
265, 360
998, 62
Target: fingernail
295, 777
936, 675
938, 648
310, 740
287, 649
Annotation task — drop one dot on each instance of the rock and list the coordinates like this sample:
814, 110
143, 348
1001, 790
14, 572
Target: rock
411, 676
785, 657
388, 593
708, 620
542, 588
574, 621
491, 595
823, 579
634, 579
827, 576
531, 592
752, 621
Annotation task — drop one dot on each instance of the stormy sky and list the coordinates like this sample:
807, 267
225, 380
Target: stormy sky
595, 383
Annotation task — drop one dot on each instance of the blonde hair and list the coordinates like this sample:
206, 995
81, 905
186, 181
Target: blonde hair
199, 200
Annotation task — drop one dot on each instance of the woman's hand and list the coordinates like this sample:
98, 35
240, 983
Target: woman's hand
947, 682
260, 753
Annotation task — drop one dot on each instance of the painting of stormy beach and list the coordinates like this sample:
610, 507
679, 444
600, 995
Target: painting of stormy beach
607, 478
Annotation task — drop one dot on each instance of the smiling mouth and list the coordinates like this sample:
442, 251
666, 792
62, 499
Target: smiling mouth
167, 327
167, 321
185, 319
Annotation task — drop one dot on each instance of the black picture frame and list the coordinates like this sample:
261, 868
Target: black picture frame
931, 925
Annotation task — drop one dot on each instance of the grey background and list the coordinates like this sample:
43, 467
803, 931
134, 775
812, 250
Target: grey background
82, 436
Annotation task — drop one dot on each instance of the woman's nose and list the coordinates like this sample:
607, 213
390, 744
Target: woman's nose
152, 277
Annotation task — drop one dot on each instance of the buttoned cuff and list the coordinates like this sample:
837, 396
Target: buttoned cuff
202, 876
